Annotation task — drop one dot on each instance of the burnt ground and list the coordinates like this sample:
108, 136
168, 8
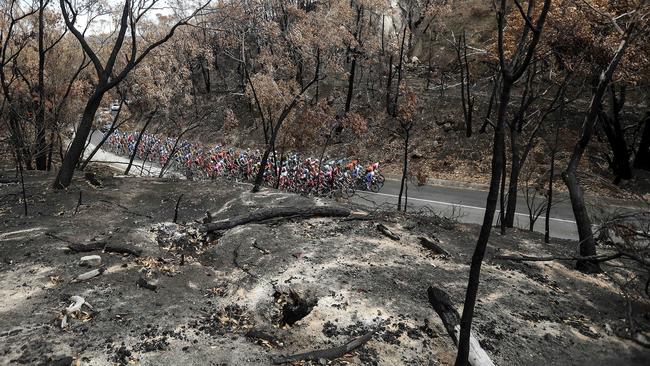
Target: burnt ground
260, 290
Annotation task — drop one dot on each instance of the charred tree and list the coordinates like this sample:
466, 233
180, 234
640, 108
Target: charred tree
487, 120
399, 72
108, 76
389, 81
353, 54
583, 221
406, 129
519, 154
511, 71
40, 153
114, 126
551, 174
272, 128
642, 157
611, 124
137, 141
516, 155
465, 82
172, 153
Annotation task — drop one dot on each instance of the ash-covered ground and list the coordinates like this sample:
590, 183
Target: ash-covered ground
169, 294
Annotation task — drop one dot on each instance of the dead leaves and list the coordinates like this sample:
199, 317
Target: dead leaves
55, 280
151, 264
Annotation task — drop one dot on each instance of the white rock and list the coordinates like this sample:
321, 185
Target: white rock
608, 329
90, 274
90, 261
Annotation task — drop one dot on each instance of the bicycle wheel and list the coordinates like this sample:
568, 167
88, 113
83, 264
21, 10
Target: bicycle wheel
347, 190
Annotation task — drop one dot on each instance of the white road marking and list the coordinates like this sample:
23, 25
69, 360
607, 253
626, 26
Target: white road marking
465, 206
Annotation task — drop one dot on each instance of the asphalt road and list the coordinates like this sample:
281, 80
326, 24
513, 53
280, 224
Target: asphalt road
465, 204
468, 206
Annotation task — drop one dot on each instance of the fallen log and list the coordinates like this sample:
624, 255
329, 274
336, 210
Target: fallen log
528, 258
123, 249
266, 214
327, 354
442, 304
90, 274
432, 246
102, 245
386, 231
90, 247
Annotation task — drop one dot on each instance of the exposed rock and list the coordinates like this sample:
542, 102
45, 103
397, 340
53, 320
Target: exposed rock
90, 261
147, 284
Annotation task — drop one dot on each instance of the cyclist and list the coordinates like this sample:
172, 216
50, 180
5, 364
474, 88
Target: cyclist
370, 174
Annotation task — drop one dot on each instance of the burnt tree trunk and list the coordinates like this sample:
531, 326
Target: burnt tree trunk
510, 75
465, 91
389, 82
383, 25
271, 137
502, 193
407, 135
171, 155
71, 159
513, 182
583, 222
279, 168
348, 99
399, 72
486, 227
104, 138
519, 157
488, 114
549, 193
259, 178
137, 143
50, 149
442, 304
620, 161
265, 214
19, 169
107, 76
88, 141
40, 154
353, 64
642, 157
